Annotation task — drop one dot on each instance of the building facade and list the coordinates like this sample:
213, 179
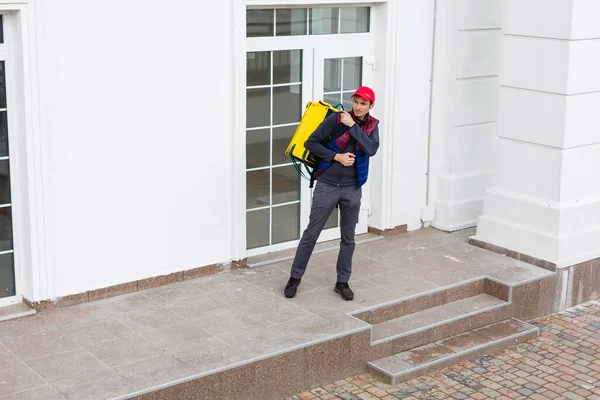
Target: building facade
141, 139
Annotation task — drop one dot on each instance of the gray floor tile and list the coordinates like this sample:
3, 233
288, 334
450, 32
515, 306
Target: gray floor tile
180, 291
45, 392
97, 332
129, 349
17, 377
74, 315
6, 356
214, 354
177, 337
95, 387
220, 282
274, 312
124, 303
154, 371
24, 326
260, 342
243, 296
67, 365
145, 319
30, 347
195, 308
228, 322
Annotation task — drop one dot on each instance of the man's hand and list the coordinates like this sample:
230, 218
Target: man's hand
347, 119
346, 159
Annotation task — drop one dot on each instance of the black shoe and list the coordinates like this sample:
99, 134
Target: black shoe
344, 290
291, 287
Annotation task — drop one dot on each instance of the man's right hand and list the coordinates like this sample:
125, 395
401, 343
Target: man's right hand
346, 159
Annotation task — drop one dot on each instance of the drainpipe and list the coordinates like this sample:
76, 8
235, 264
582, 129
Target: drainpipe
427, 214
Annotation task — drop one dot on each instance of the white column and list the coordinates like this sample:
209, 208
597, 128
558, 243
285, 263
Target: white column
464, 109
546, 198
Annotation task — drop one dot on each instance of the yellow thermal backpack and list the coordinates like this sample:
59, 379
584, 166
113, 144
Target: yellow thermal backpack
314, 114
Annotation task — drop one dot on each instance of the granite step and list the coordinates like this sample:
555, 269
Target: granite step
435, 356
437, 317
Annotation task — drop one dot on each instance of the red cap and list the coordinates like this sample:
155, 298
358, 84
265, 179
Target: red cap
366, 93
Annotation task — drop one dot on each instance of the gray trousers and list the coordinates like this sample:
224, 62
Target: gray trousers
325, 198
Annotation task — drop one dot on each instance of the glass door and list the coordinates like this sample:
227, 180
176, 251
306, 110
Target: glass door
337, 74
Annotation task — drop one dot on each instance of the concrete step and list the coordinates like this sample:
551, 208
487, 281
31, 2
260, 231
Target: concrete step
435, 356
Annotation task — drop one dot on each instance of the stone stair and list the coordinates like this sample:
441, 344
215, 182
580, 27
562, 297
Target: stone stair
429, 358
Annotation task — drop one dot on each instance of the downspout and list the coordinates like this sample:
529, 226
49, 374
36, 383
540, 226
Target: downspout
423, 222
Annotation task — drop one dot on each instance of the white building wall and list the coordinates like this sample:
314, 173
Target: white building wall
136, 102
467, 61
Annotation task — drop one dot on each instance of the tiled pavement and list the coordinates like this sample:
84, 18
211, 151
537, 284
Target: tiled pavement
121, 346
563, 363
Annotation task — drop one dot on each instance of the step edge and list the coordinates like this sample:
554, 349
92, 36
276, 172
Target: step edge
422, 294
18, 315
455, 355
437, 324
324, 250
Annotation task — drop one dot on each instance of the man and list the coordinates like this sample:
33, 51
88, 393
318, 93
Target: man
342, 170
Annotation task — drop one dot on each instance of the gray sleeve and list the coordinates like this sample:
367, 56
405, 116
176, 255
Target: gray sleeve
313, 143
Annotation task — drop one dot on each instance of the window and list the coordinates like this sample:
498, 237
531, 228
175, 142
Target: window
307, 21
273, 111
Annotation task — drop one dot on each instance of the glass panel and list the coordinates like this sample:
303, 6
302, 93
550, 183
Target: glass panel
1, 29
7, 275
324, 21
260, 23
333, 98
257, 189
286, 223
291, 22
286, 185
4, 182
2, 86
287, 104
281, 139
257, 148
287, 66
354, 19
332, 80
257, 228
258, 107
6, 234
332, 221
352, 73
258, 68
347, 101
3, 135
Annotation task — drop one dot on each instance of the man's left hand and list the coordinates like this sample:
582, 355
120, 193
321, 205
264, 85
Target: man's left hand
347, 119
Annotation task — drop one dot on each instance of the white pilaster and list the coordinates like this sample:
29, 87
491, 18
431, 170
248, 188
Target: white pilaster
546, 198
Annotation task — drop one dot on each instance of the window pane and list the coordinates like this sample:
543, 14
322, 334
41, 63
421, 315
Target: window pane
352, 73
333, 75
259, 23
291, 22
324, 21
258, 107
287, 66
257, 189
4, 182
287, 104
1, 29
3, 134
347, 101
286, 185
332, 221
257, 148
281, 139
286, 223
333, 98
6, 234
257, 228
2, 86
354, 19
258, 68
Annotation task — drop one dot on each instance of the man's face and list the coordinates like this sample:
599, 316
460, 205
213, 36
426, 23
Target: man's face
361, 106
